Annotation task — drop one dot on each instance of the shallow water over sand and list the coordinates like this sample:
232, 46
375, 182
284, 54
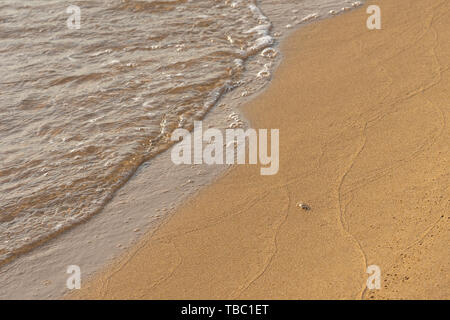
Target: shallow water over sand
81, 110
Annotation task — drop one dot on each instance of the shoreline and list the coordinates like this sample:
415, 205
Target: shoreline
105, 237
364, 146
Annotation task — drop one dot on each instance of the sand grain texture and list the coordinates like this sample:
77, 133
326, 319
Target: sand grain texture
364, 140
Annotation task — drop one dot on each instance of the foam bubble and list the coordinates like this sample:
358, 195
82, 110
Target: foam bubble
269, 52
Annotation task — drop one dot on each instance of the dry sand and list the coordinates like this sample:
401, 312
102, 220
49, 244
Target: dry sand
364, 140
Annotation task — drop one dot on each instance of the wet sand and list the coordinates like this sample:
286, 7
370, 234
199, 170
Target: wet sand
363, 118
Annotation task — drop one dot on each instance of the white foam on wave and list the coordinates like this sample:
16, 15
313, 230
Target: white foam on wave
259, 44
265, 72
269, 53
262, 30
310, 17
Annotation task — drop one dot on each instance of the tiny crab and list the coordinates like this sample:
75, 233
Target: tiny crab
304, 206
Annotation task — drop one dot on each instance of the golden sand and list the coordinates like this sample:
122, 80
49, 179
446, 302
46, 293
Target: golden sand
364, 141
